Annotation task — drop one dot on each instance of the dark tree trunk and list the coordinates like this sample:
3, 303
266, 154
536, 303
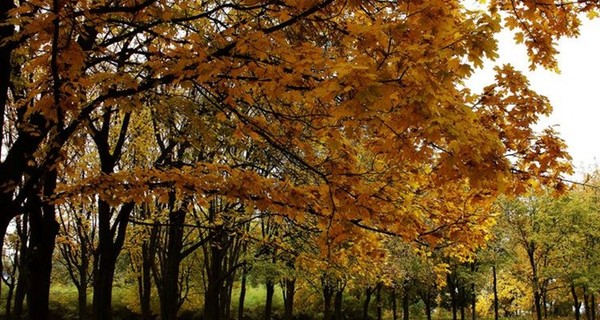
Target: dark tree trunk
428, 309
495, 288
337, 304
327, 296
593, 306
82, 299
110, 243
473, 295
270, 285
243, 294
83, 284
452, 288
405, 305
20, 292
368, 294
537, 300
394, 297
145, 279
169, 289
576, 303
44, 229
290, 290
586, 303
378, 300
9, 296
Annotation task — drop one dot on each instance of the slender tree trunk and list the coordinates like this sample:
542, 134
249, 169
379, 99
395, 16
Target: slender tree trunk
428, 309
169, 295
337, 304
327, 296
242, 294
586, 303
394, 304
9, 296
83, 284
20, 292
290, 290
495, 288
269, 301
5, 221
537, 298
145, 279
593, 306
473, 295
405, 305
82, 299
368, 294
378, 300
576, 303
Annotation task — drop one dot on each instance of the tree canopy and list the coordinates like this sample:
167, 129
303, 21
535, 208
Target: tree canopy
344, 117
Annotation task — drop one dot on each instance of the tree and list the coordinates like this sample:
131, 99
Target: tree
362, 99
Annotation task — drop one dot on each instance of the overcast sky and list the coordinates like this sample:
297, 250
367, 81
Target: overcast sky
574, 93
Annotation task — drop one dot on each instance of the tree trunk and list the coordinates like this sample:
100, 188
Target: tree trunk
593, 306
378, 300
586, 303
473, 295
20, 292
327, 296
270, 285
169, 289
537, 300
428, 309
82, 299
337, 304
44, 229
394, 304
576, 303
368, 294
83, 283
145, 279
405, 305
242, 294
290, 290
110, 243
9, 296
495, 288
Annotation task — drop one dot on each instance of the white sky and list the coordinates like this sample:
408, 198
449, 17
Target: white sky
574, 93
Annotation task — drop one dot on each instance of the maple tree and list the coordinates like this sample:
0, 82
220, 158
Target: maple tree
362, 103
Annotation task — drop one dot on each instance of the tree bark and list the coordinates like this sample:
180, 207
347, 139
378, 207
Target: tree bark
394, 297
368, 294
290, 290
473, 295
576, 303
270, 285
111, 239
337, 304
405, 305
378, 300
243, 294
593, 306
586, 303
44, 229
169, 289
327, 296
495, 288
145, 278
